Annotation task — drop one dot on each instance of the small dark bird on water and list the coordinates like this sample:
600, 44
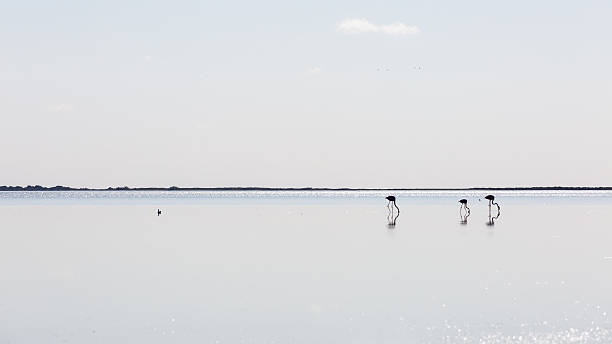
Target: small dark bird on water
158, 212
391, 199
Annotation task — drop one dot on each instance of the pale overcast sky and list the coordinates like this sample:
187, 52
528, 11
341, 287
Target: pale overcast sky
310, 93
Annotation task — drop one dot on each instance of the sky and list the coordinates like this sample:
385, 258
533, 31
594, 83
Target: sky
309, 93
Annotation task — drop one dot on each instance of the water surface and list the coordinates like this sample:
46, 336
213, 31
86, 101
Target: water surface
304, 267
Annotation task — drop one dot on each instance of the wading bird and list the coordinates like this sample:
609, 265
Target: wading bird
391, 199
463, 205
491, 199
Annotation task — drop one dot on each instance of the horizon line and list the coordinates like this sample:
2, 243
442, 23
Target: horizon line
308, 188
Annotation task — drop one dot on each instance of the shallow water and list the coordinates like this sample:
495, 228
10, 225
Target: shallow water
304, 267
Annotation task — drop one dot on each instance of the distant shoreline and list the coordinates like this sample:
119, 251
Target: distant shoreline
254, 188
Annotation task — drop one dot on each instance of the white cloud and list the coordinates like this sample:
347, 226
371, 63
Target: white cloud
353, 26
314, 70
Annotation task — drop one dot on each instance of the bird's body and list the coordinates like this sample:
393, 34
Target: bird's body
491, 200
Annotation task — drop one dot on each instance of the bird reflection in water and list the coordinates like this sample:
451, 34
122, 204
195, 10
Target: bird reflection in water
464, 211
492, 219
392, 216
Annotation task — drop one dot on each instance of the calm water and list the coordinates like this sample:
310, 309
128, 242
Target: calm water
304, 267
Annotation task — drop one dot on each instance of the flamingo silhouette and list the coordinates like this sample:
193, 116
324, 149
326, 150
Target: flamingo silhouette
463, 205
391, 199
491, 199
